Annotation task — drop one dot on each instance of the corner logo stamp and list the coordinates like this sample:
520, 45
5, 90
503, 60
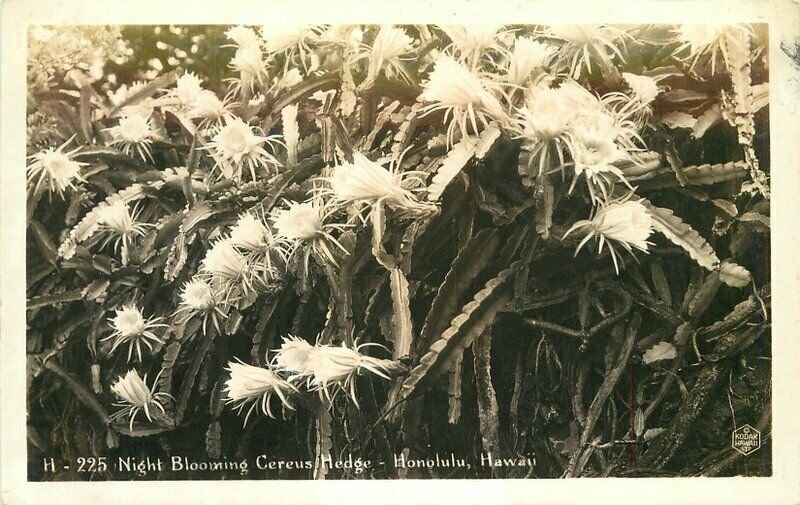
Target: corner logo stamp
746, 439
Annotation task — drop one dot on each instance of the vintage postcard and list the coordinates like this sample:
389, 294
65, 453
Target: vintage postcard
520, 254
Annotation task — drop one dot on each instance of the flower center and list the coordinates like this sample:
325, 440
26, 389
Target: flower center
60, 167
130, 323
234, 139
134, 129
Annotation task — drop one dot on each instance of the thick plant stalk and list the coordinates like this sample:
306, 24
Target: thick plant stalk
487, 399
667, 446
323, 443
580, 456
738, 62
454, 391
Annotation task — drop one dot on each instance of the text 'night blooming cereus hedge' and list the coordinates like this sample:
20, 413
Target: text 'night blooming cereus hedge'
541, 251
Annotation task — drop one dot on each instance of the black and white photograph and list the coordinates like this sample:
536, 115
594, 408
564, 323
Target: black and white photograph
398, 251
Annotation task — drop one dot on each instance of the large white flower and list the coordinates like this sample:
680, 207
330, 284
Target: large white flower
391, 46
548, 113
133, 134
462, 94
279, 38
546, 120
204, 296
135, 396
527, 57
250, 233
236, 146
117, 218
187, 88
208, 107
198, 295
587, 44
263, 251
625, 222
121, 225
224, 261
594, 148
331, 367
249, 62
367, 181
470, 41
294, 356
711, 39
292, 41
644, 88
301, 221
131, 327
243, 36
303, 226
255, 386
594, 141
56, 169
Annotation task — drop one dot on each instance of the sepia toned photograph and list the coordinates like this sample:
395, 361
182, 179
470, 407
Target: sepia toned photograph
354, 253
398, 251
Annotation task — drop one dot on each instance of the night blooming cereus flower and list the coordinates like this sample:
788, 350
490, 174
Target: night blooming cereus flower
136, 396
55, 169
291, 41
528, 57
390, 47
133, 134
208, 108
327, 368
713, 40
224, 261
593, 142
303, 224
470, 41
262, 250
121, 225
251, 233
644, 88
255, 385
236, 146
462, 94
187, 88
130, 327
330, 367
248, 60
293, 357
199, 297
624, 222
586, 43
365, 181
545, 121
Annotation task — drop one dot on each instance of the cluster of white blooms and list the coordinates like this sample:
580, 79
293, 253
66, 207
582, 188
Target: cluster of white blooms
190, 98
537, 87
326, 369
